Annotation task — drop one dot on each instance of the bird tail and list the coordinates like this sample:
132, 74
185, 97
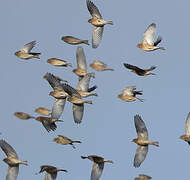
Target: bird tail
109, 69
36, 55
155, 144
69, 64
62, 170
110, 22
162, 48
88, 102
86, 42
108, 161
142, 100
76, 141
58, 120
24, 162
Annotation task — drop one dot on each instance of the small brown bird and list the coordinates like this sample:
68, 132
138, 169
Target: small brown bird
43, 111
51, 172
12, 160
143, 177
81, 63
139, 71
58, 94
148, 43
100, 66
25, 51
58, 62
98, 165
98, 23
48, 123
142, 141
186, 137
65, 140
129, 94
74, 41
23, 115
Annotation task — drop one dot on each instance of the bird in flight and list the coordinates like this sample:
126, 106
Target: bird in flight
100, 66
186, 137
73, 40
148, 42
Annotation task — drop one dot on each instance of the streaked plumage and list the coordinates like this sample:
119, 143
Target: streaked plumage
98, 165
100, 66
51, 172
148, 42
48, 123
98, 23
24, 116
186, 136
58, 62
25, 51
65, 140
12, 160
142, 141
129, 94
43, 111
74, 41
139, 71
143, 177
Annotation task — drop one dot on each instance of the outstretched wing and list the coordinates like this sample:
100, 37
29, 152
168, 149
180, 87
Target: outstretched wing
27, 47
149, 34
97, 36
93, 9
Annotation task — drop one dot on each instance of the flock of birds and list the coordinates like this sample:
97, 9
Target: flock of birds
63, 92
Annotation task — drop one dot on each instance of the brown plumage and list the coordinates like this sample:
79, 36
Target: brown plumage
58, 62
186, 136
139, 71
73, 40
142, 141
100, 66
98, 165
65, 140
143, 177
148, 43
43, 111
129, 94
24, 116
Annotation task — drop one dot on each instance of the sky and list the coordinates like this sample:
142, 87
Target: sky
108, 124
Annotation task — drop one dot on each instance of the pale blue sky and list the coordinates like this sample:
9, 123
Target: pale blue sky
108, 126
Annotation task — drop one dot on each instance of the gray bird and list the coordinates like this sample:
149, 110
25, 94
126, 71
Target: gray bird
51, 172
12, 160
25, 52
98, 165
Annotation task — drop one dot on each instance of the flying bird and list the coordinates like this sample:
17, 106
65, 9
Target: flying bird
48, 123
142, 141
24, 116
51, 172
100, 66
12, 160
25, 51
65, 140
73, 40
81, 63
139, 71
129, 94
143, 177
98, 165
186, 137
43, 111
58, 62
98, 23
148, 42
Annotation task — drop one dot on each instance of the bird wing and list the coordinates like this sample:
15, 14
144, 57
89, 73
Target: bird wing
78, 111
12, 172
51, 176
97, 170
97, 36
58, 107
129, 66
187, 125
54, 81
159, 39
83, 84
81, 58
129, 90
140, 155
49, 126
93, 9
140, 127
151, 68
148, 36
8, 149
27, 47
70, 90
